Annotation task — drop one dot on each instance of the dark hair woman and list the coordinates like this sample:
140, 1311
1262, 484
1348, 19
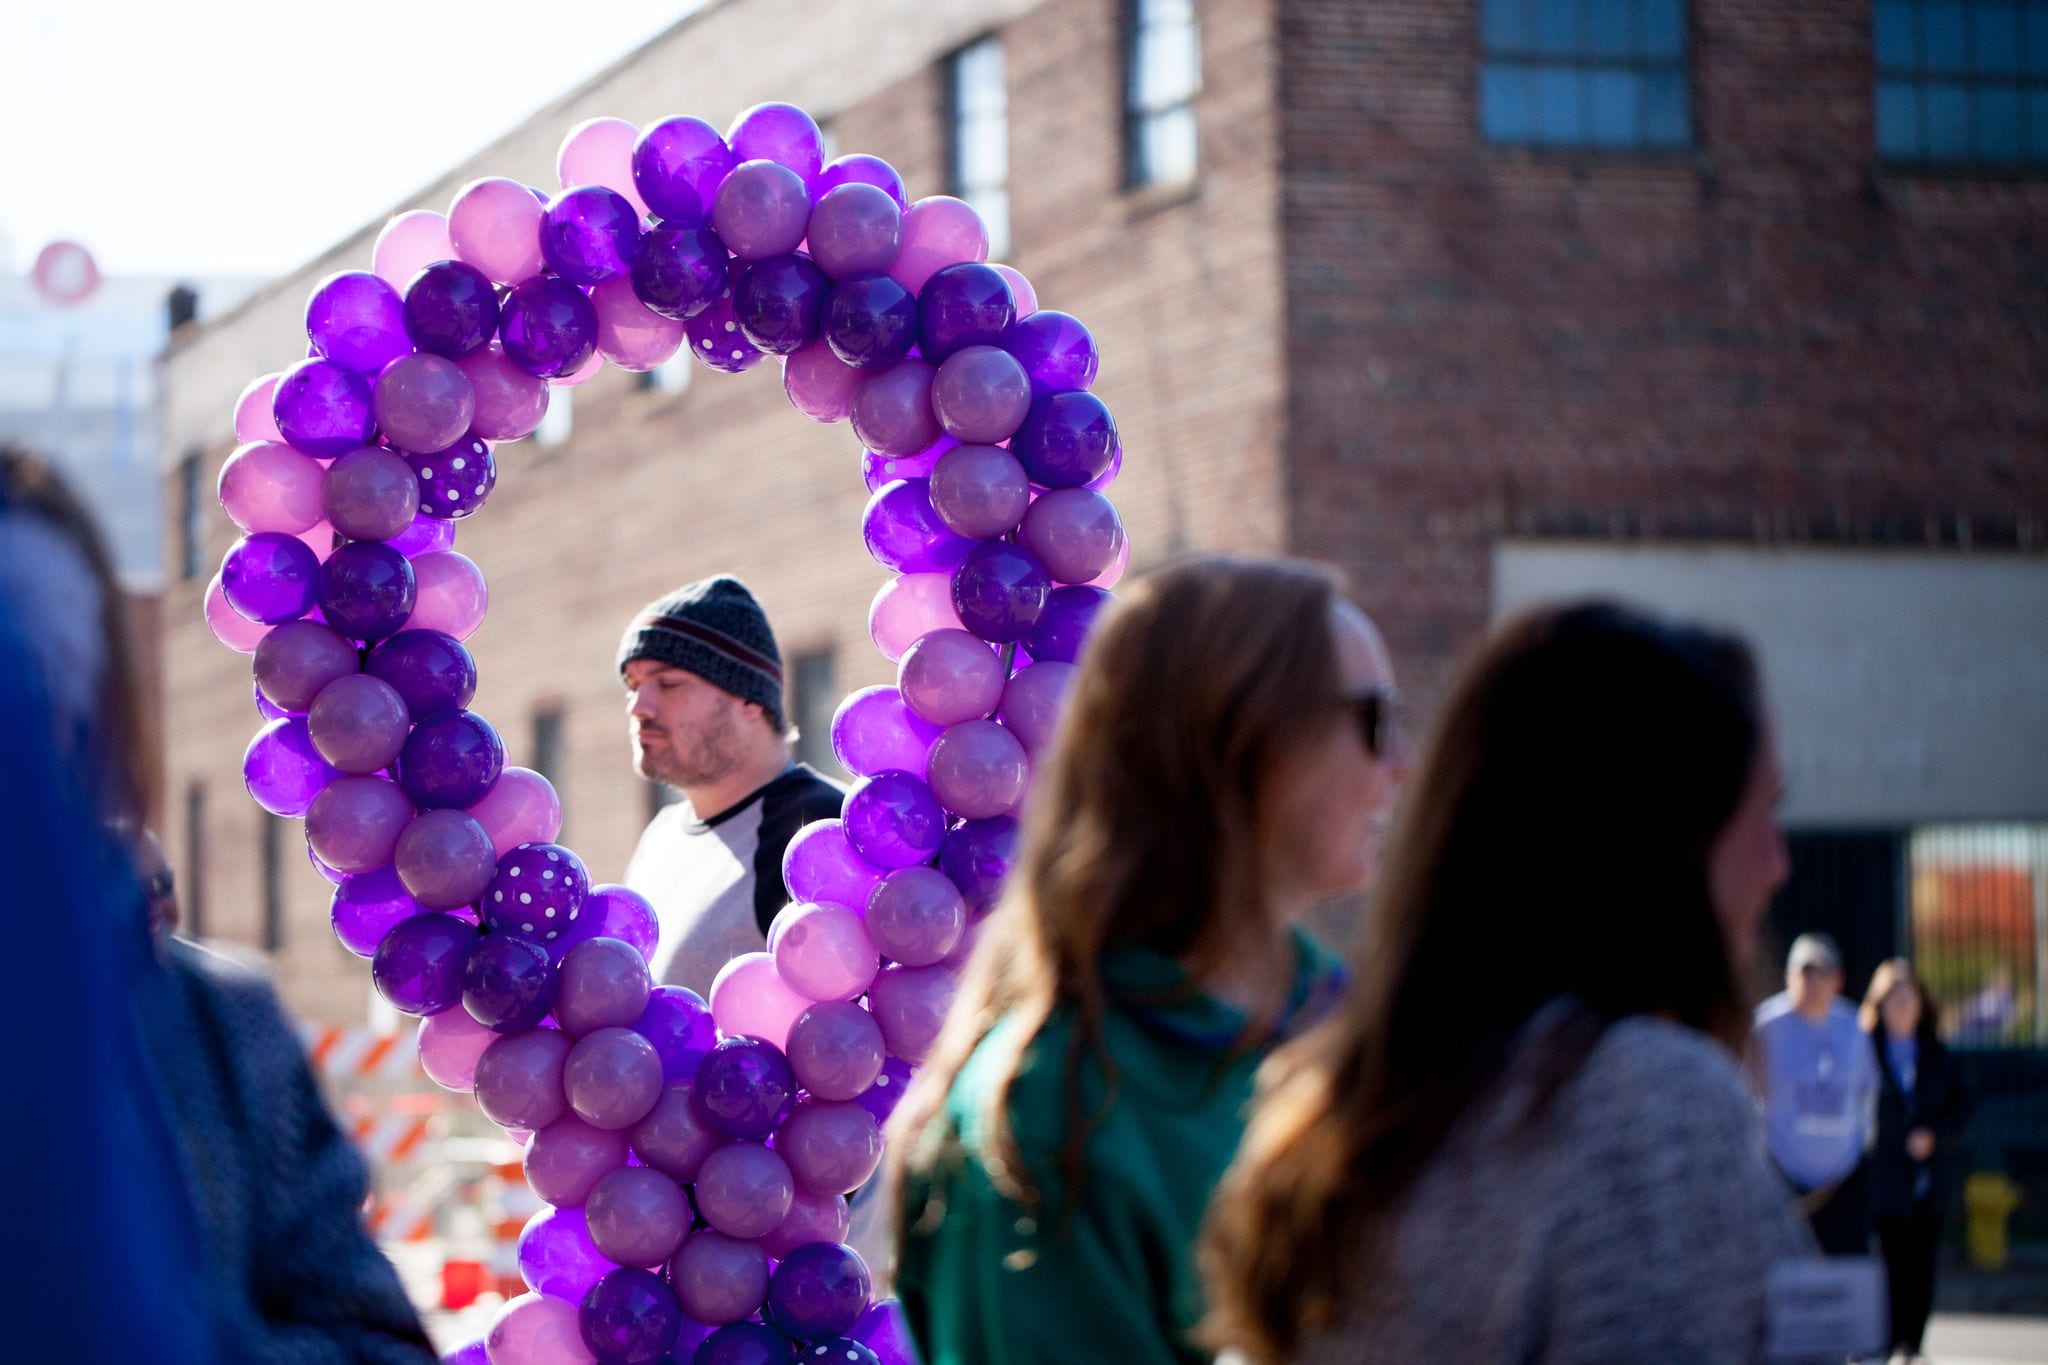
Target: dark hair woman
1526, 1135
1923, 1106
1227, 757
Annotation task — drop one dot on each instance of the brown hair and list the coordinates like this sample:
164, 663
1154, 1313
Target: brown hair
1144, 827
1555, 843
1897, 971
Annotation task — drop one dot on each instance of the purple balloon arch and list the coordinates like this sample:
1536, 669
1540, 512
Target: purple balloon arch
697, 1156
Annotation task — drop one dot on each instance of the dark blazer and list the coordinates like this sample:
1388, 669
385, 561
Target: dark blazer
294, 1276
1940, 1102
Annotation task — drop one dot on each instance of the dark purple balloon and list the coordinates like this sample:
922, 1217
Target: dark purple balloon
418, 966
426, 536
456, 481
744, 1343
604, 984
270, 576
870, 321
999, 591
678, 1023
451, 759
323, 409
367, 590
508, 984
680, 271
269, 709
451, 309
1063, 625
366, 906
1055, 350
556, 1255
590, 234
819, 1290
431, 670
713, 333
881, 1098
678, 165
537, 890
519, 1079
978, 857
847, 1351
630, 1318
299, 658
282, 768
860, 169
356, 320
779, 303
549, 327
963, 305
614, 911
903, 531
1067, 440
893, 820
745, 1087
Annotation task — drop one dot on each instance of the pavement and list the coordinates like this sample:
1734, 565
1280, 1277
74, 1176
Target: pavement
1985, 1339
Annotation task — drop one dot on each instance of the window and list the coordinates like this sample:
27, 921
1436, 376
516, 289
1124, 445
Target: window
980, 153
1962, 81
1584, 73
558, 421
191, 514
811, 706
273, 881
549, 746
1162, 76
192, 903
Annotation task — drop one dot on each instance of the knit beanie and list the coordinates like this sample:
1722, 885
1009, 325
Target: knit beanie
715, 629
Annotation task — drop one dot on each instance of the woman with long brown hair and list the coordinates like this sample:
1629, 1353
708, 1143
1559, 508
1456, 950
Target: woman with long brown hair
1526, 1135
1227, 757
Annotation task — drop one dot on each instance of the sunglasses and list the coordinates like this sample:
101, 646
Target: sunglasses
1378, 715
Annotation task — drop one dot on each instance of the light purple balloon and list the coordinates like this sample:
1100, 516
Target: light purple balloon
915, 916
979, 770
744, 1190
781, 133
612, 1079
537, 1329
761, 210
822, 952
268, 486
855, 229
423, 402
568, 1157
637, 1216
357, 321
283, 770
980, 490
366, 905
821, 864
509, 402
371, 494
893, 820
892, 411
358, 723
906, 607
750, 999
910, 1003
873, 731
356, 823
1075, 532
1032, 700
445, 859
604, 984
831, 1148
860, 169
836, 1048
520, 808
719, 1279
675, 1137
557, 1257
819, 384
981, 395
450, 1045
519, 1079
812, 1218
949, 676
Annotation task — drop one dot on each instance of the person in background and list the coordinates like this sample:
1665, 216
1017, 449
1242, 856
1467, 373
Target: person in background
1228, 756
1923, 1106
1526, 1136
1818, 1075
288, 1272
703, 681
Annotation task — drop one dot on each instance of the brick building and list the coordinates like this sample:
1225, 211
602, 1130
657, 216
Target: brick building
1716, 304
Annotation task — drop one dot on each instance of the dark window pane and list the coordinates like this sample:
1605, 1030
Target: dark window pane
1503, 25
1666, 122
1998, 123
1557, 91
1898, 120
1948, 122
1556, 26
1614, 99
1944, 37
1662, 28
1892, 34
1607, 27
1995, 37
1504, 104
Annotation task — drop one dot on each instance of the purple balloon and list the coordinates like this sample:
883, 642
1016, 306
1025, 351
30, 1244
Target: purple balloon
426, 536
270, 577
999, 591
904, 533
821, 865
818, 1291
508, 984
855, 228
456, 481
519, 1079
1063, 626
714, 335
831, 1148
556, 1255
357, 320
744, 1190
781, 133
619, 912
1066, 440
451, 309
538, 890
365, 907
268, 709
980, 491
910, 1003
963, 305
358, 723
779, 303
476, 1352
451, 760
979, 770
744, 1343
881, 1098
680, 270
870, 321
885, 1331
431, 670
630, 1318
981, 394
877, 468
299, 658
566, 1159
860, 169
675, 1137
761, 210
590, 234
836, 1048
1032, 700
915, 916
612, 1079
549, 327
418, 966
678, 1023
282, 768
423, 402
978, 856
445, 859
873, 731
893, 820
678, 165
948, 676
323, 409
847, 1351
720, 1279
745, 1087
1075, 532
604, 984
812, 1217
370, 493
354, 824
366, 590
892, 410
637, 1215
1055, 350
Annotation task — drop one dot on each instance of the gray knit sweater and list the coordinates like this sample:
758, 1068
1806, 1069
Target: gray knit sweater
1636, 1221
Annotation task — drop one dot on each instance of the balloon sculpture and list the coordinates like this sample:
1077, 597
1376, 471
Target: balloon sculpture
697, 1156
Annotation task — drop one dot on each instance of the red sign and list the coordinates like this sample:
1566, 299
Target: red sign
65, 274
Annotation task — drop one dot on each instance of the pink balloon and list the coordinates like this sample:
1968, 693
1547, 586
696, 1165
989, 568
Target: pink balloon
452, 595
520, 808
319, 538
408, 244
820, 385
908, 606
823, 953
494, 224
1027, 297
268, 486
629, 333
581, 375
599, 151
450, 1044
229, 626
254, 421
509, 401
938, 232
750, 998
537, 1329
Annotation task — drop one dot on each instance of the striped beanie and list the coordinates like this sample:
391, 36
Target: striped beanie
715, 629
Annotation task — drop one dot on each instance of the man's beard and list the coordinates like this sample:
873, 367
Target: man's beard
691, 760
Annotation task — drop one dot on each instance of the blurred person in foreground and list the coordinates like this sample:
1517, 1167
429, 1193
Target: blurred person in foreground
1915, 1165
1227, 757
289, 1274
1526, 1135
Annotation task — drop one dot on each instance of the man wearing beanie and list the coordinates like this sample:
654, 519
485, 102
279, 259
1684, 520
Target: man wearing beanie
704, 691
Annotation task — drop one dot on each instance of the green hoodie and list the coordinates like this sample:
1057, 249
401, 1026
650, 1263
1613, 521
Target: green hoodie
984, 1278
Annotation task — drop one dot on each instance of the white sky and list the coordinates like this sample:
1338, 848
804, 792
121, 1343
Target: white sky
227, 137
